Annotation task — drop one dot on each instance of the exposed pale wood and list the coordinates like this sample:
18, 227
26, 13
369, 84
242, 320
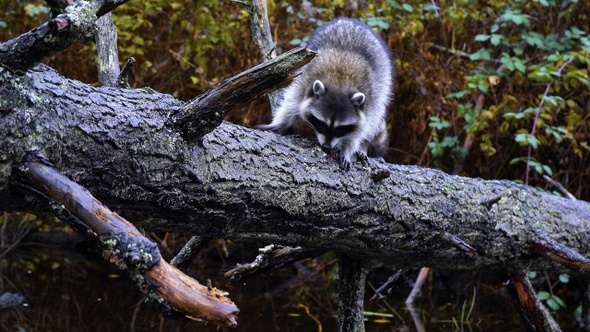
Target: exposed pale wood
178, 295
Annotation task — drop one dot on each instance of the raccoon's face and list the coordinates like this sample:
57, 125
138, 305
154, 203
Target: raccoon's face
332, 114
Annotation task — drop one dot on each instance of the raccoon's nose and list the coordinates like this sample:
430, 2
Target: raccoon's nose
326, 147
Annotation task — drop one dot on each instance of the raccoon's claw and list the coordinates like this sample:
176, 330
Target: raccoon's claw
363, 158
344, 163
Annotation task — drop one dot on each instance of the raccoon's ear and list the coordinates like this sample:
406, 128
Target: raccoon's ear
358, 99
318, 88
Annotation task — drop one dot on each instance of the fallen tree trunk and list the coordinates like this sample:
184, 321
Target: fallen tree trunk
251, 185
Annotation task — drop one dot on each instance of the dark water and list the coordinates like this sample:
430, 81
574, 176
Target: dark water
70, 288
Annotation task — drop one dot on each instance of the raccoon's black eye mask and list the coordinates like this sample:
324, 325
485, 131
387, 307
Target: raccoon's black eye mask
318, 125
322, 128
343, 130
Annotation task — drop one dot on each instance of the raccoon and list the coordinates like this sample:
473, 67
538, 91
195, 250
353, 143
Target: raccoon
343, 93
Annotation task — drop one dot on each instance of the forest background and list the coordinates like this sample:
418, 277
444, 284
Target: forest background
490, 89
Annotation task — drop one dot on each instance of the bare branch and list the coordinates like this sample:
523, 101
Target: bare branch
534, 314
559, 187
261, 35
29, 49
204, 113
123, 79
189, 252
178, 295
560, 253
271, 256
107, 64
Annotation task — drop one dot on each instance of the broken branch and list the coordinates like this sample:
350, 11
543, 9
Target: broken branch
271, 256
205, 112
535, 316
178, 295
30, 49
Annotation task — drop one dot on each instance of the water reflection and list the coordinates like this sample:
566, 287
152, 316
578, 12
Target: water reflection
69, 287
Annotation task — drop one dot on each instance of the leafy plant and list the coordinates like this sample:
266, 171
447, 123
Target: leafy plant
550, 298
516, 46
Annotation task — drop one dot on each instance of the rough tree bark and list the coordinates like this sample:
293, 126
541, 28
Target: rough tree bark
242, 183
152, 158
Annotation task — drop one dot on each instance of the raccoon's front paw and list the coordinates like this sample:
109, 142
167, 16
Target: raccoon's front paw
345, 162
362, 157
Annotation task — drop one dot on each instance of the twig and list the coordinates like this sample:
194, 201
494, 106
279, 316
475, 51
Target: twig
560, 253
188, 252
459, 53
271, 256
488, 202
534, 314
417, 286
435, 8
416, 318
458, 243
537, 113
386, 284
559, 187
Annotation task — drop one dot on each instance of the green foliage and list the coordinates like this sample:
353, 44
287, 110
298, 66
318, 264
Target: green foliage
299, 41
380, 23
465, 322
437, 123
552, 300
520, 45
207, 27
437, 147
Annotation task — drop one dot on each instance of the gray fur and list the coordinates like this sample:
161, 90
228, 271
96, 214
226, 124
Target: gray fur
344, 92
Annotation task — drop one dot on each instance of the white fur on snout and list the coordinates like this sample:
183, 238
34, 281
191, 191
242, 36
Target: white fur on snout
321, 139
335, 141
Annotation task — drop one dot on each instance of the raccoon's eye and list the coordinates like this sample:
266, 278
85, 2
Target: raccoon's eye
343, 130
318, 125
